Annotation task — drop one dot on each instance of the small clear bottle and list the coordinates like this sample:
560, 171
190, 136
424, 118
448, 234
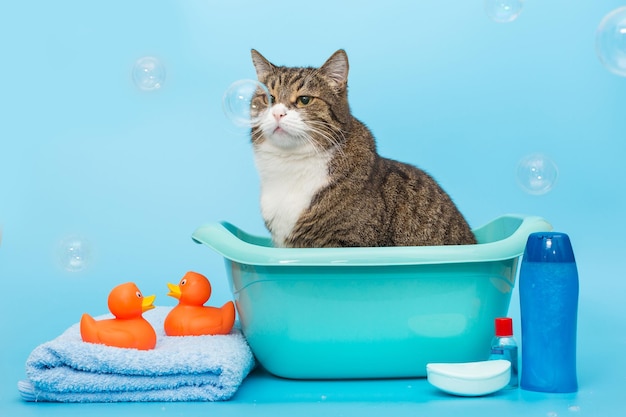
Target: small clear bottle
504, 346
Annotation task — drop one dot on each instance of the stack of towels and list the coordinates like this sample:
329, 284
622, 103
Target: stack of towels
190, 368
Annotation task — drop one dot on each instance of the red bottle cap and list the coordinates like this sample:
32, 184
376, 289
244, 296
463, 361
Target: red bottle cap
504, 327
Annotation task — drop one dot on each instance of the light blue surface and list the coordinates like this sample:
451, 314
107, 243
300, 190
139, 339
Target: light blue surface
84, 152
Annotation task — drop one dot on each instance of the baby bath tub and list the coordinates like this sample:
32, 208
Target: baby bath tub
331, 313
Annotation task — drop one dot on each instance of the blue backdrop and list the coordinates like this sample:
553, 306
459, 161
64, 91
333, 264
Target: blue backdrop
92, 164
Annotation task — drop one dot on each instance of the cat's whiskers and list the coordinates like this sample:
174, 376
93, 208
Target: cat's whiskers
324, 130
256, 132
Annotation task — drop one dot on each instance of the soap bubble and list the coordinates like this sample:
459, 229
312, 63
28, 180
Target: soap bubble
245, 101
537, 174
148, 73
503, 11
73, 253
611, 41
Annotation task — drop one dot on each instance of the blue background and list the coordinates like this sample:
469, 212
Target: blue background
84, 152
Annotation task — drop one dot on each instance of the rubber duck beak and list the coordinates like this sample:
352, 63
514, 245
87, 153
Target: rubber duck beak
146, 303
174, 290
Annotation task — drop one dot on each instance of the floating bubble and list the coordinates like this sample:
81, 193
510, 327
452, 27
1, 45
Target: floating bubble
611, 41
245, 102
73, 253
537, 174
503, 11
148, 73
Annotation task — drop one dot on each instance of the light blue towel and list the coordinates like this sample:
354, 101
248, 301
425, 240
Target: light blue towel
192, 368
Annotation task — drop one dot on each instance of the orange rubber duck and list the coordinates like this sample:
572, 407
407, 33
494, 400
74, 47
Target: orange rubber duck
128, 329
191, 317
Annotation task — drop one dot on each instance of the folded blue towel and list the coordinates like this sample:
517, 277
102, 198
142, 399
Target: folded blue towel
191, 368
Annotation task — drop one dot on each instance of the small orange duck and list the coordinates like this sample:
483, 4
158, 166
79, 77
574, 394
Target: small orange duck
128, 329
191, 317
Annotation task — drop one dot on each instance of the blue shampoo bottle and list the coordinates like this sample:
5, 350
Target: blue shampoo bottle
549, 310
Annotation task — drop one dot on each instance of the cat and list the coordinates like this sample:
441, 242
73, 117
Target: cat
322, 181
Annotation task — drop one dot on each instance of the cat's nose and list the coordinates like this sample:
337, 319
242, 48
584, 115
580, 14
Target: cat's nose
279, 111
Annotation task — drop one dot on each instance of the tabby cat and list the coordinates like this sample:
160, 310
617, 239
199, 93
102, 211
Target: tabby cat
323, 183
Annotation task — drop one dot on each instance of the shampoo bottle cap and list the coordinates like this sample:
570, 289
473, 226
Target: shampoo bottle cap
548, 247
504, 327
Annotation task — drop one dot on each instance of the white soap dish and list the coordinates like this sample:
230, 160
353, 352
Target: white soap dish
471, 378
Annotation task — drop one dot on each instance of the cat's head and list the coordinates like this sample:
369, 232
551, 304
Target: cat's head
308, 108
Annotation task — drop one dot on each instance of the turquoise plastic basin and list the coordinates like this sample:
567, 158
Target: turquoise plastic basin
332, 313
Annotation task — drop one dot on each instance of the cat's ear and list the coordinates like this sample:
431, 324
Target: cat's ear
263, 66
336, 68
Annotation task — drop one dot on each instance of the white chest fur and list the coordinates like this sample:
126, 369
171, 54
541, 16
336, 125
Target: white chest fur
289, 180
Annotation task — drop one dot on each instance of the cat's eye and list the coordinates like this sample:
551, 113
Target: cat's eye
304, 101
265, 97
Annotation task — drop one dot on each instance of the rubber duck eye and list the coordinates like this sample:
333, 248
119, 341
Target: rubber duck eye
183, 282
304, 101
138, 294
